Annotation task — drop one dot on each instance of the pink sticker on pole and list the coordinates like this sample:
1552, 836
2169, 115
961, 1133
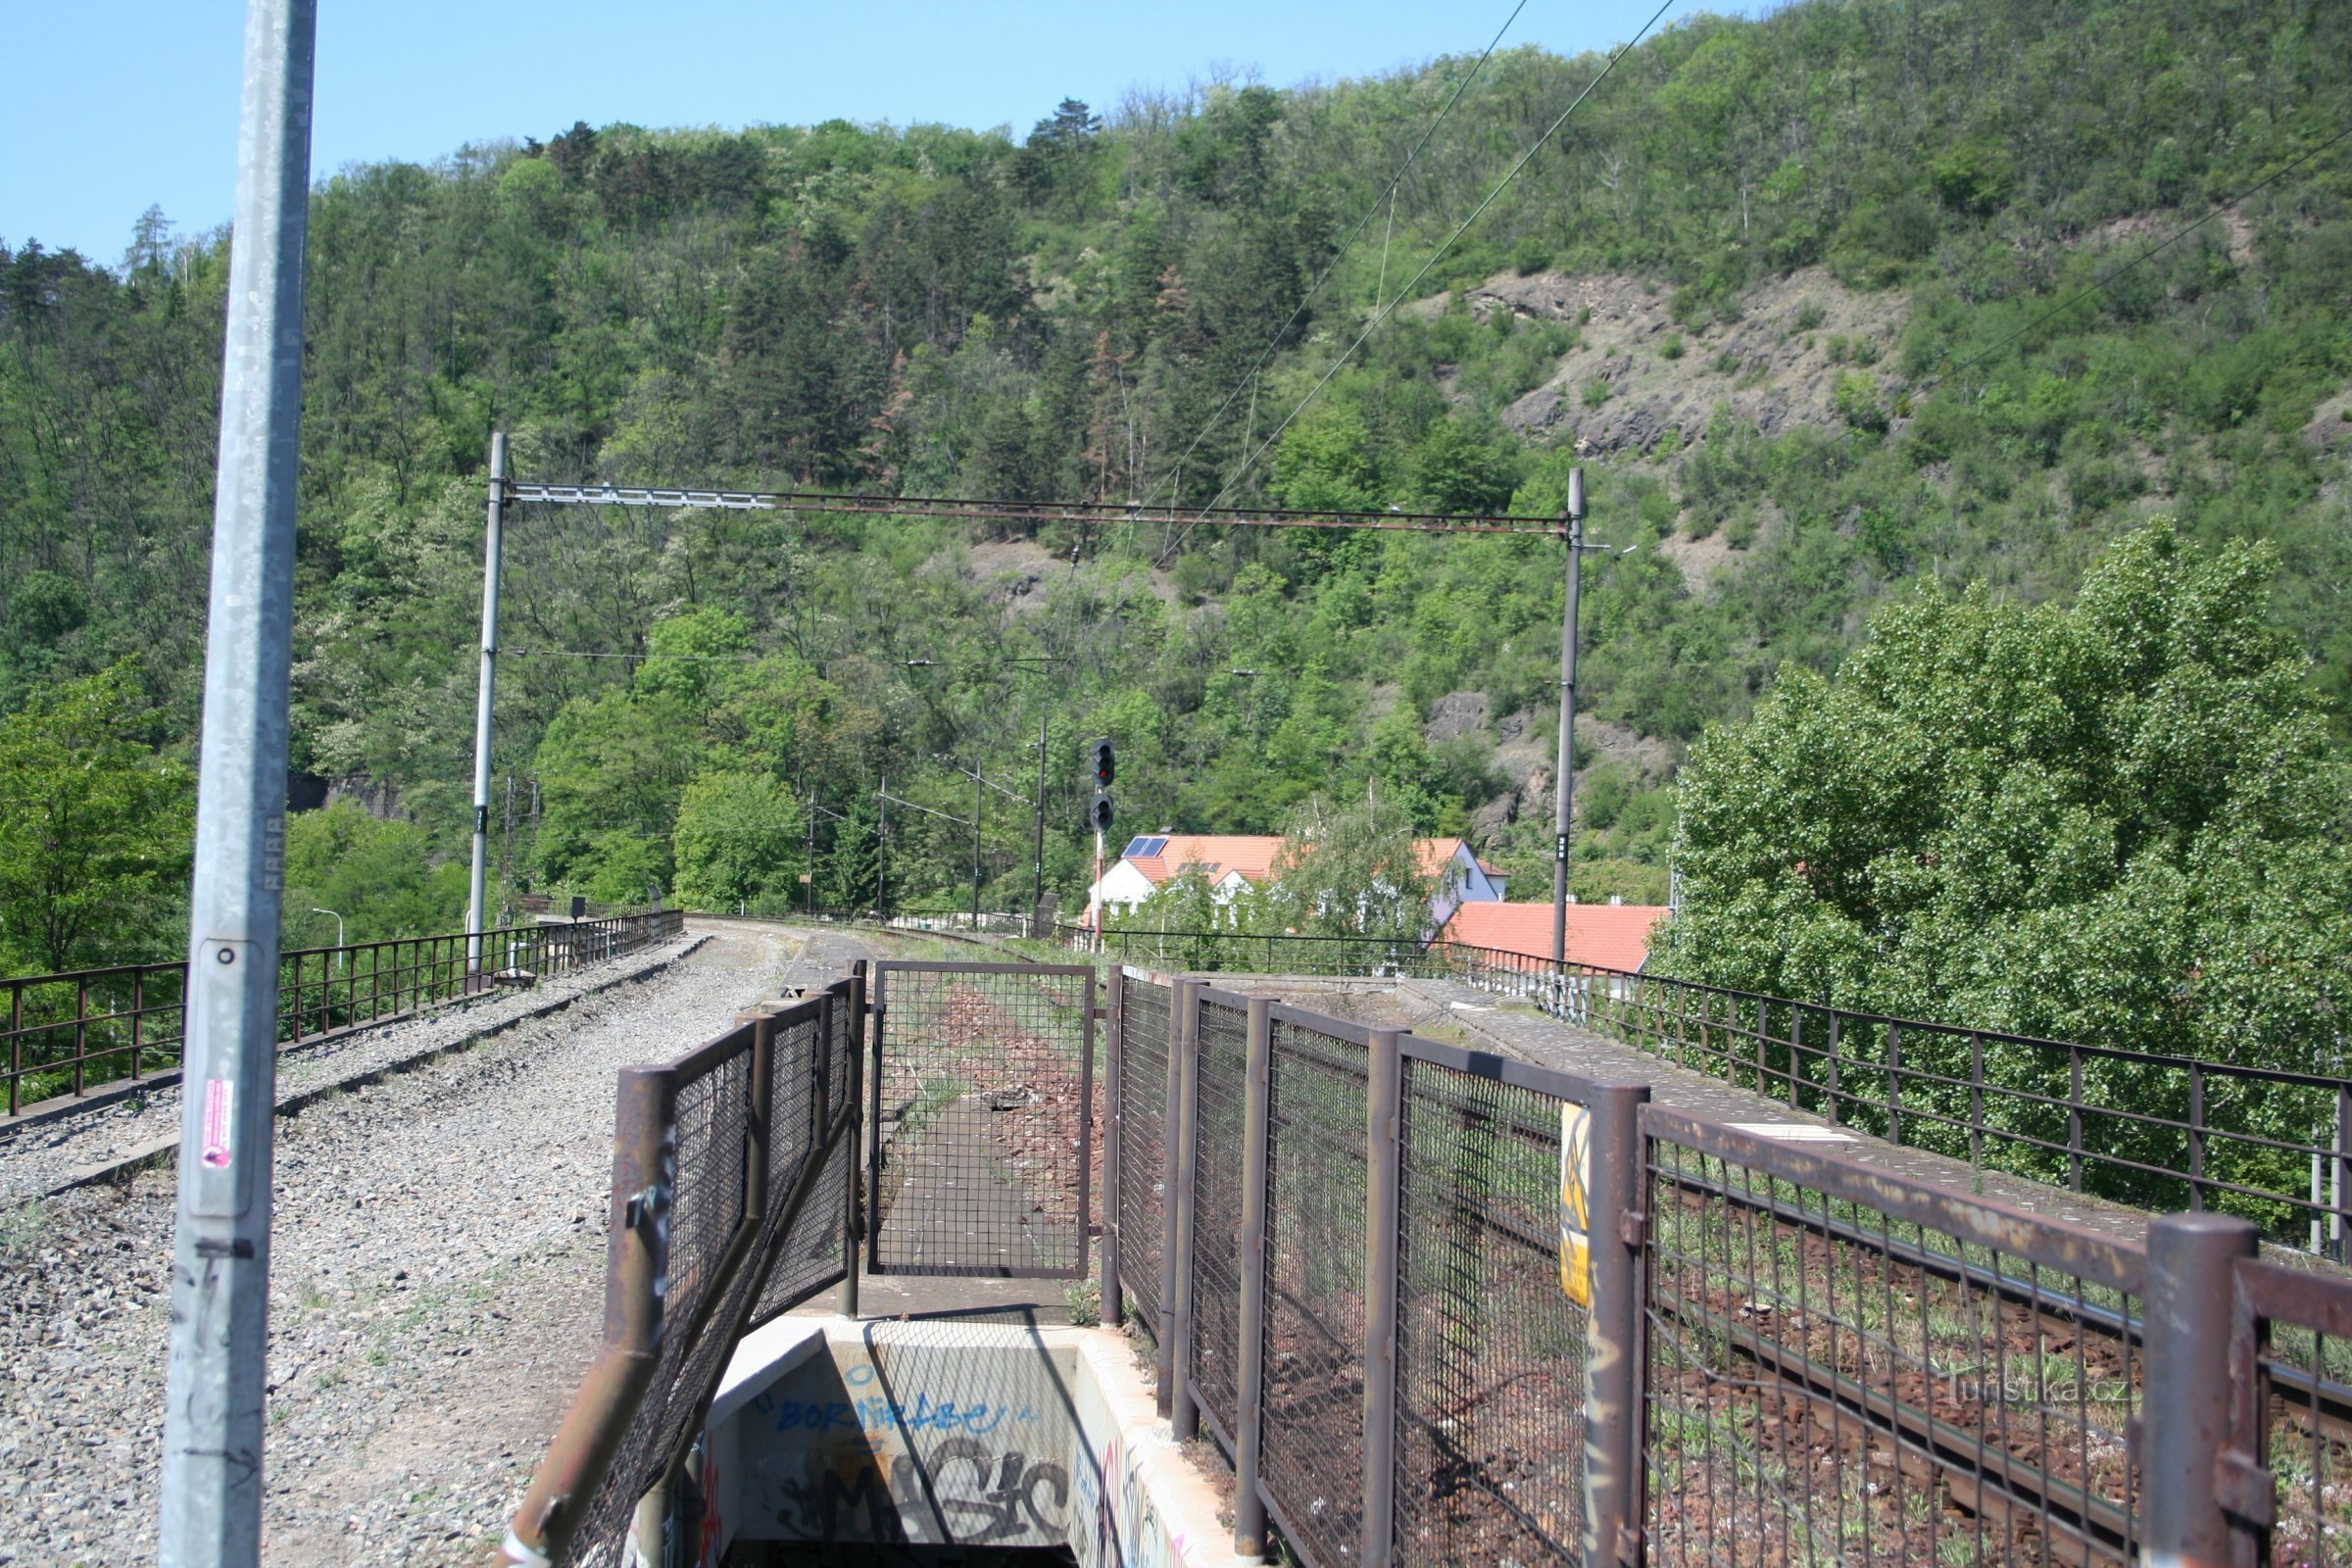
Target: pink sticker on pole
220, 1113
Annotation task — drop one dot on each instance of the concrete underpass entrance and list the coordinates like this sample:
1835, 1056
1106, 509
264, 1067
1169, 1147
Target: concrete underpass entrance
986, 1159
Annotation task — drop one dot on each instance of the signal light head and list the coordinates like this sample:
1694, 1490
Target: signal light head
1106, 764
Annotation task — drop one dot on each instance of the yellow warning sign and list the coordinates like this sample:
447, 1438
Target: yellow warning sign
1575, 1186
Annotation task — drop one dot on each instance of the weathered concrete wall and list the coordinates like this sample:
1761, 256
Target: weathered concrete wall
971, 1431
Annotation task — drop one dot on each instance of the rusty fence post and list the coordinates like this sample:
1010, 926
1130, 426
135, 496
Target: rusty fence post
2186, 1413
2074, 1117
1176, 1255
758, 1126
1114, 1143
1383, 1155
2196, 1134
877, 1017
1616, 1211
645, 1158
855, 1044
1249, 1416
1895, 1082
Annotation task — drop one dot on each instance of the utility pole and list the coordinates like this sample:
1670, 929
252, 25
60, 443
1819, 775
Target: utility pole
491, 547
882, 858
216, 1397
976, 802
1564, 786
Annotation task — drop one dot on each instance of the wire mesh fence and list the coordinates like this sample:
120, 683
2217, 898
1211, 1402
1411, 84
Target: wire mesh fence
1490, 1353
1847, 1369
989, 1129
1318, 1191
1147, 1009
2270, 1140
65, 1034
731, 1203
708, 1127
1221, 1099
2294, 1354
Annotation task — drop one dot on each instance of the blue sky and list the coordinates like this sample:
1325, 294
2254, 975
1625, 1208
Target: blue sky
110, 108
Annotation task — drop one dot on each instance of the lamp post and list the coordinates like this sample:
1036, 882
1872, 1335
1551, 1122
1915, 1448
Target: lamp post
342, 957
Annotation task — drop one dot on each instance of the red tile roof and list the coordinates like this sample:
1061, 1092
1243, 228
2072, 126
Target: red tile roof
1607, 936
1252, 855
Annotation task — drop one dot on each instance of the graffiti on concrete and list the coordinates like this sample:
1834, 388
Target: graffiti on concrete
1116, 1523
961, 1492
877, 1414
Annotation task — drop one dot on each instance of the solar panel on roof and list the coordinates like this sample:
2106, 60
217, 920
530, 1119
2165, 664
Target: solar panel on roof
1143, 849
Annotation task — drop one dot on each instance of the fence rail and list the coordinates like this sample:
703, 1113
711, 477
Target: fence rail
734, 1199
1440, 1306
67, 1032
2142, 1128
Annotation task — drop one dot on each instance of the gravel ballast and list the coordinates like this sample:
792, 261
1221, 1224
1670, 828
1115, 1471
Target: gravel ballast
436, 1284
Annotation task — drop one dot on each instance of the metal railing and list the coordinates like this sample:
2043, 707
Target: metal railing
1353, 1255
2142, 1128
734, 1199
1439, 1307
66, 1033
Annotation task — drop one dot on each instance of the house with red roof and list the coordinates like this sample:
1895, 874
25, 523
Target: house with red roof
1603, 936
1232, 861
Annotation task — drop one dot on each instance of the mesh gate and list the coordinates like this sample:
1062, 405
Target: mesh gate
1489, 1353
984, 1095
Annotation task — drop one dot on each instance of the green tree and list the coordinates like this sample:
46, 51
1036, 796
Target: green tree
2116, 822
382, 877
1350, 870
94, 829
739, 839
611, 771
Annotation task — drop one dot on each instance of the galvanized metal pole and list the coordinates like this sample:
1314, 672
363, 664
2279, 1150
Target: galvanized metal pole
216, 1394
1250, 1418
1564, 782
977, 805
2188, 1417
493, 547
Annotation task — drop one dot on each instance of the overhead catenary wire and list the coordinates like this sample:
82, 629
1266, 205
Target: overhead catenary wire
865, 504
1385, 312
690, 659
869, 504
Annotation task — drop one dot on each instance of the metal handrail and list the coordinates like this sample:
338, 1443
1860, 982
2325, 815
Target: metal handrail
111, 1018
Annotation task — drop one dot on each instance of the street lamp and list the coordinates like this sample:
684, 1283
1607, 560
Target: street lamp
342, 957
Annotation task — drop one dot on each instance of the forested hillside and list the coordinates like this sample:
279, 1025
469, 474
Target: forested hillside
1768, 283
